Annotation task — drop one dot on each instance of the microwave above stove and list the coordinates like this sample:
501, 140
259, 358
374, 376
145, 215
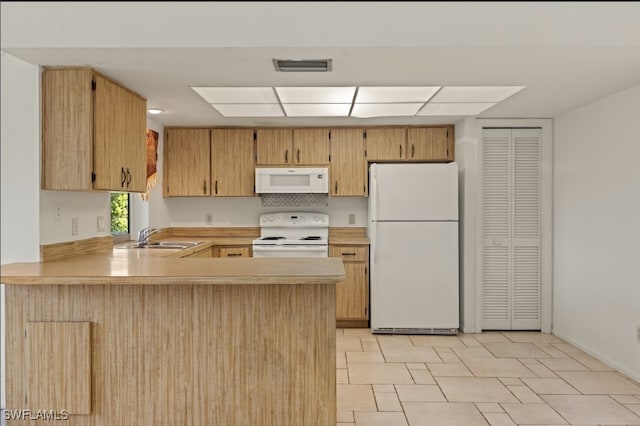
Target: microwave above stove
292, 180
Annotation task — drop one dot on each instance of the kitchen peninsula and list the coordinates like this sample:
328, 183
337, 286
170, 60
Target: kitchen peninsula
149, 340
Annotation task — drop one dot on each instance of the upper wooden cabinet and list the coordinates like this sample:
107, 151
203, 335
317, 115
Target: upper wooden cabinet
232, 165
286, 147
430, 144
187, 168
93, 133
424, 144
348, 168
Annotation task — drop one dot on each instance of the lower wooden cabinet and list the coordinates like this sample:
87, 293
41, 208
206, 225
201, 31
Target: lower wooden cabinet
352, 294
235, 251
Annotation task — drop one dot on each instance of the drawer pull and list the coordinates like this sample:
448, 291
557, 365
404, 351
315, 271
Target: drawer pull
234, 254
348, 254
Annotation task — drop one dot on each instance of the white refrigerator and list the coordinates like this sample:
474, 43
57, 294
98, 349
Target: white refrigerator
413, 228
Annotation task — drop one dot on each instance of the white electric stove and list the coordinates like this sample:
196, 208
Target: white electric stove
293, 234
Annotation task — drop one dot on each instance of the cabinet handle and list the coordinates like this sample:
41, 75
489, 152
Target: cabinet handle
205, 187
286, 155
234, 254
298, 154
123, 177
413, 150
128, 177
336, 191
348, 254
400, 151
216, 186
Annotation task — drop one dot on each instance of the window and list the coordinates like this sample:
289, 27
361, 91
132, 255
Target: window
120, 216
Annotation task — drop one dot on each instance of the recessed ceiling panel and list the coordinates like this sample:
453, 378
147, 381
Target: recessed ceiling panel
469, 108
475, 93
317, 110
316, 95
237, 95
249, 110
390, 94
385, 110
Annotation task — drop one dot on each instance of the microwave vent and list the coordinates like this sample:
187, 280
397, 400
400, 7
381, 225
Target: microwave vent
304, 65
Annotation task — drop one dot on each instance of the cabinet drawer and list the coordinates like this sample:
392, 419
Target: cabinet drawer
234, 252
349, 253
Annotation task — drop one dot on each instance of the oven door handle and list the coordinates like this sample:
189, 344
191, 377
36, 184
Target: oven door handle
301, 248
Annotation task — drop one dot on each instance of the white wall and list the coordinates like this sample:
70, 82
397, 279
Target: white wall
597, 229
20, 173
85, 206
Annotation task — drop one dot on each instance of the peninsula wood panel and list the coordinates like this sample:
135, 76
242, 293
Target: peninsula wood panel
232, 165
348, 170
190, 354
386, 144
311, 146
187, 163
67, 129
430, 144
274, 147
58, 366
68, 249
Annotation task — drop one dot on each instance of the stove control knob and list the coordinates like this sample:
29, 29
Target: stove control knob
272, 218
324, 219
316, 219
264, 218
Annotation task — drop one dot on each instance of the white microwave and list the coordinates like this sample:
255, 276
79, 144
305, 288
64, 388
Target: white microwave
296, 180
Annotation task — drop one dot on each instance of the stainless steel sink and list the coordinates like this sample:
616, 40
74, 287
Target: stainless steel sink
164, 245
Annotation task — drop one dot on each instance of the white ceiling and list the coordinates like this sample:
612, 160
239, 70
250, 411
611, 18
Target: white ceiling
566, 54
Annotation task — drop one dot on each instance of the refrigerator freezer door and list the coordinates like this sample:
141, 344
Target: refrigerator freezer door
414, 192
414, 275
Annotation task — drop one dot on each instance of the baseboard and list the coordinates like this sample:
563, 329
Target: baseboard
622, 369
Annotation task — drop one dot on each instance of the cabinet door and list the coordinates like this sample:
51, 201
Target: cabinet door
386, 144
134, 153
274, 147
232, 165
430, 144
351, 294
67, 129
348, 170
311, 146
234, 252
187, 156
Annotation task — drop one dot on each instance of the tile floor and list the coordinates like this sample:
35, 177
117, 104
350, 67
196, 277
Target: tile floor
494, 378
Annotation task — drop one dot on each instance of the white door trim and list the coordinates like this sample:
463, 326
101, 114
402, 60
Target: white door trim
546, 207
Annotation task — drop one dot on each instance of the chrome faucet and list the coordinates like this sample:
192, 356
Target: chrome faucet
145, 233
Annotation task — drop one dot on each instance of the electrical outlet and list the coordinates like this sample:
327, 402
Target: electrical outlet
638, 333
208, 218
74, 226
100, 224
58, 214
352, 218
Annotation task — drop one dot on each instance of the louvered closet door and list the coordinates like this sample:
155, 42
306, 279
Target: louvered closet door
511, 229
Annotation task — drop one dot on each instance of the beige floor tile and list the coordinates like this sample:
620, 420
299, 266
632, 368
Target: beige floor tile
525, 395
364, 357
443, 349
626, 399
423, 354
339, 332
380, 419
511, 381
419, 393
489, 407
469, 340
341, 376
566, 348
591, 409
550, 350
498, 367
444, 341
358, 332
443, 413
531, 337
388, 401
600, 383
395, 342
449, 370
563, 364
379, 373
533, 414
348, 344
542, 371
491, 337
345, 416
468, 389
355, 398
590, 362
341, 360
422, 377
515, 350
416, 366
499, 419
449, 357
370, 345
345, 424
634, 407
384, 388
472, 353
550, 386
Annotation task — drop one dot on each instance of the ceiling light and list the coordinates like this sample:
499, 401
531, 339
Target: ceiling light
305, 65
475, 93
155, 111
385, 110
249, 110
237, 95
462, 108
316, 95
317, 110
395, 94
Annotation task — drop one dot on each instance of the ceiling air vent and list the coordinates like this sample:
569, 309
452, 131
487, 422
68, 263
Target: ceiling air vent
305, 65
